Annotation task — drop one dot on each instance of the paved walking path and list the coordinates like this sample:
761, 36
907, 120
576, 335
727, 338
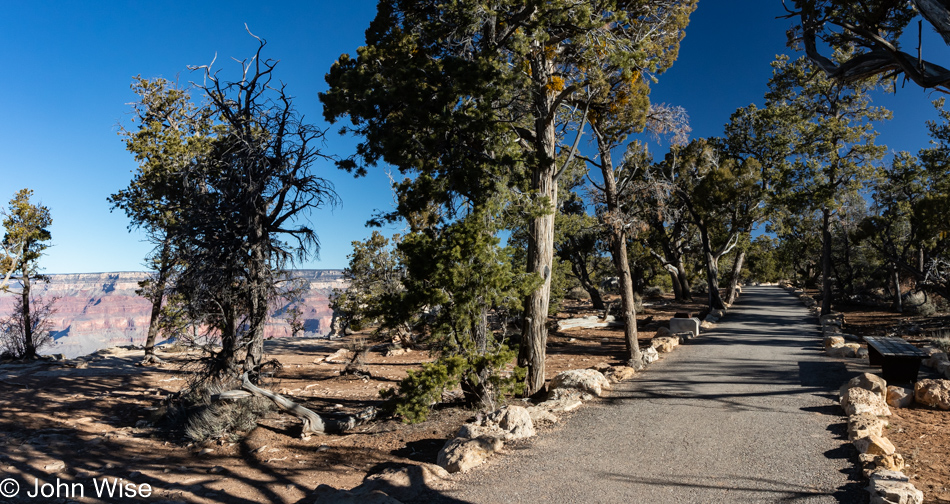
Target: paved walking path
742, 414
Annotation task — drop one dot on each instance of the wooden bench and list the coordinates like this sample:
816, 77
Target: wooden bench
899, 360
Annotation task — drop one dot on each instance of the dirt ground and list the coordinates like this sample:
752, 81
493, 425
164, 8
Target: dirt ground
920, 434
84, 420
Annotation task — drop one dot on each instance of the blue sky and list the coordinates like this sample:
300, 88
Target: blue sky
69, 65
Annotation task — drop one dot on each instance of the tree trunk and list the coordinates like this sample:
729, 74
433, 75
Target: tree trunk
579, 268
534, 336
158, 295
712, 282
896, 275
684, 280
627, 299
712, 270
677, 288
225, 362
29, 345
734, 277
258, 315
480, 329
826, 287
614, 221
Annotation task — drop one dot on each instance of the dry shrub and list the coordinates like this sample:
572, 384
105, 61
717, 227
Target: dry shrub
919, 303
578, 294
941, 340
196, 414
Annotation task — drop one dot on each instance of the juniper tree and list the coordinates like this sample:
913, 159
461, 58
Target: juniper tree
26, 226
720, 195
172, 135
834, 151
875, 28
244, 218
230, 183
502, 73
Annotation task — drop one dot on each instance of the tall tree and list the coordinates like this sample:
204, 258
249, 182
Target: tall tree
618, 107
834, 150
876, 28
244, 219
503, 72
172, 135
26, 230
721, 196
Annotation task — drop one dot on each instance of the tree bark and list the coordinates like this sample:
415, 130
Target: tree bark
712, 281
158, 295
614, 222
677, 288
712, 269
898, 305
619, 250
684, 280
258, 273
540, 229
583, 276
826, 287
312, 423
734, 277
480, 329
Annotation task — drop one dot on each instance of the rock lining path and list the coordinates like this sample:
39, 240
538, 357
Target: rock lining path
743, 414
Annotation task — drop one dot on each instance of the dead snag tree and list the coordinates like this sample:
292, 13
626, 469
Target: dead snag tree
246, 219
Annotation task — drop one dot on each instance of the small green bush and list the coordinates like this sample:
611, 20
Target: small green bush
420, 390
653, 292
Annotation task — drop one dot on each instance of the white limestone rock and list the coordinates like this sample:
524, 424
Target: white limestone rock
933, 393
664, 344
461, 454
899, 397
514, 421
586, 380
874, 445
868, 381
407, 482
864, 425
892, 487
858, 400
650, 355
833, 341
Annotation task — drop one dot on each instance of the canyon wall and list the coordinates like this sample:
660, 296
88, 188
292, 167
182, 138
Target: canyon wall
99, 310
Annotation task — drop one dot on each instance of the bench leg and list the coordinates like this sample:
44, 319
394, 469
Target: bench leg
874, 357
901, 370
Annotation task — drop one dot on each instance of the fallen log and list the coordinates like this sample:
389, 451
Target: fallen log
312, 423
590, 322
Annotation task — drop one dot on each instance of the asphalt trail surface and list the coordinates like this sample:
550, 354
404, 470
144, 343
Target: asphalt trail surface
745, 413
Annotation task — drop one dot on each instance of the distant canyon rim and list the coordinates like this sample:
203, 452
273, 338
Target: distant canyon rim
101, 310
